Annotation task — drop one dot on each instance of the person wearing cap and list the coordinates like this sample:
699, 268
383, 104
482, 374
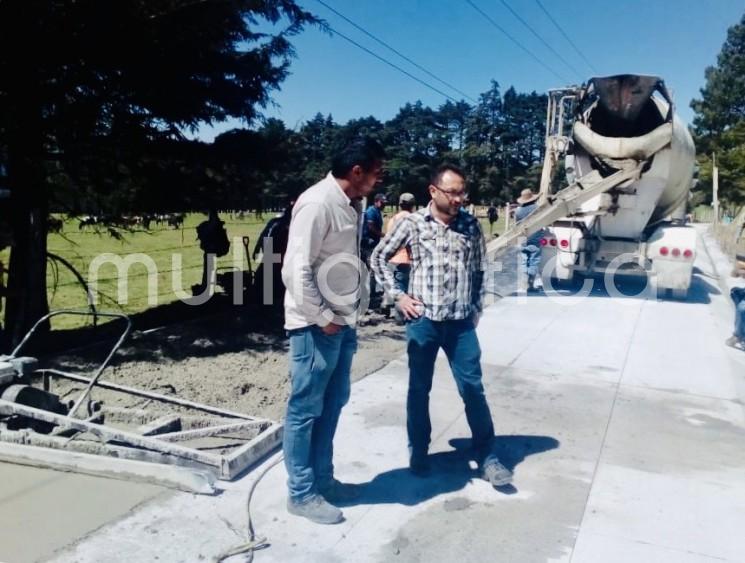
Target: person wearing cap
400, 263
442, 306
531, 252
372, 232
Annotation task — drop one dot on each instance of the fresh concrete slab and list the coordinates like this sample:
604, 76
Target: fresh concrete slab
404, 516
622, 418
180, 478
43, 510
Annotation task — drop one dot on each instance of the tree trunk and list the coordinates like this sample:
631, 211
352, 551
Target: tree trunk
26, 299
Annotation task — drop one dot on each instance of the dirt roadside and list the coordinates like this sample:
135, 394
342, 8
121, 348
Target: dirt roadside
235, 361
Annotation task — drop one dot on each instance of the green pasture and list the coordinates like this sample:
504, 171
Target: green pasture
164, 245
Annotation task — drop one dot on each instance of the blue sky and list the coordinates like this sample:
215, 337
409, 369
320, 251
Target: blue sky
674, 39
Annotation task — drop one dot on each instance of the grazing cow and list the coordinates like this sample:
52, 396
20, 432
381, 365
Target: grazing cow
54, 225
176, 220
87, 221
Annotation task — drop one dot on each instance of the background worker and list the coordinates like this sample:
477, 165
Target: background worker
400, 263
372, 232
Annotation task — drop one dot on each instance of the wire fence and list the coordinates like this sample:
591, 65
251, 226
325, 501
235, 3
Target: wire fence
703, 214
135, 276
79, 256
101, 231
730, 237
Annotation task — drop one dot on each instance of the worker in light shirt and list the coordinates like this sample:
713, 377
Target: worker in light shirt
322, 274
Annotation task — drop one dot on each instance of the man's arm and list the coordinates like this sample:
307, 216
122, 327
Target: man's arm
308, 230
398, 238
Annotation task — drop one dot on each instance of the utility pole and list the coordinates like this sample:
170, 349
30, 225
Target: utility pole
715, 188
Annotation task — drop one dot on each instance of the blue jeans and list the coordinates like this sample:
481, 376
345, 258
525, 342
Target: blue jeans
319, 369
740, 320
531, 259
401, 273
459, 341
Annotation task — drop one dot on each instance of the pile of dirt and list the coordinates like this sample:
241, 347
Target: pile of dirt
237, 362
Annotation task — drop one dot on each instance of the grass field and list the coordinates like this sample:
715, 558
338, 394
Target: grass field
163, 244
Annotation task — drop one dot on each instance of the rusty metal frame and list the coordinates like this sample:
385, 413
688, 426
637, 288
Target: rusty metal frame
164, 448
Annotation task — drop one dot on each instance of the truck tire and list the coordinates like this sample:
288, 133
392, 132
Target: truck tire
572, 284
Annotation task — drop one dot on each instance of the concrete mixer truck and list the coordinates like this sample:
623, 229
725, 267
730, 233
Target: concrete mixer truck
629, 163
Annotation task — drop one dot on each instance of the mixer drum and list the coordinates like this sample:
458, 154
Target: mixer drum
625, 119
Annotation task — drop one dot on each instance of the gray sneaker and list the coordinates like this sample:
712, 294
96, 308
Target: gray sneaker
315, 509
496, 473
337, 492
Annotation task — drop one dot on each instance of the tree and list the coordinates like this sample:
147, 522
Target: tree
454, 118
719, 123
100, 84
415, 141
730, 153
317, 139
485, 124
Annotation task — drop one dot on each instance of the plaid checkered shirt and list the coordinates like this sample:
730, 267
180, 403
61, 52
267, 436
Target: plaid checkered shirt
447, 263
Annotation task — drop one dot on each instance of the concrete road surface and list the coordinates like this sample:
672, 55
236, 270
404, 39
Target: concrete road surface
621, 417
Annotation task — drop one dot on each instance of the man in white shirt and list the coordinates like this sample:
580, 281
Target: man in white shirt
322, 275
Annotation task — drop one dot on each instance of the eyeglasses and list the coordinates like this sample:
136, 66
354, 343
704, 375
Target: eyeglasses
451, 195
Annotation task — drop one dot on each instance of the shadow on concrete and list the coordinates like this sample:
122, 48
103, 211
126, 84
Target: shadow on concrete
628, 287
451, 471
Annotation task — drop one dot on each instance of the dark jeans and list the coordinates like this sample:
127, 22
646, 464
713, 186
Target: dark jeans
401, 274
319, 368
365, 254
531, 259
740, 320
459, 341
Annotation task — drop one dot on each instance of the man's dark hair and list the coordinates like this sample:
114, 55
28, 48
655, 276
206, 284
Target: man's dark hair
364, 152
447, 167
406, 205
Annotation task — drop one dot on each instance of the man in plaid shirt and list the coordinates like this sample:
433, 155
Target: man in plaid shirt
442, 308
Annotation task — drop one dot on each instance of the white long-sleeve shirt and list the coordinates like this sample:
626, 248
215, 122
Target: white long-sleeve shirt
321, 269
